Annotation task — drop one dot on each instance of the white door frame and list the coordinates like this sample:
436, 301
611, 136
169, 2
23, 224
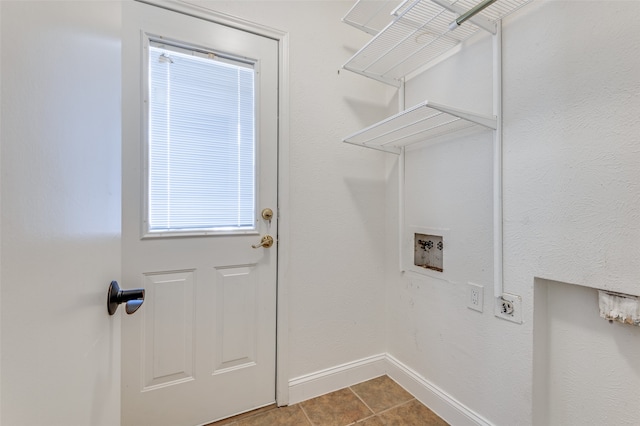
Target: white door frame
282, 319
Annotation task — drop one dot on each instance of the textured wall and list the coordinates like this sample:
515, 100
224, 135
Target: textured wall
572, 189
592, 371
572, 204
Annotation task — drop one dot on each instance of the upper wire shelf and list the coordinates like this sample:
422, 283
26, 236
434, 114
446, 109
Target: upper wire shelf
423, 121
418, 33
371, 16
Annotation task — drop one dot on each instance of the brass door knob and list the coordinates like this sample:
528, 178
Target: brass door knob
266, 242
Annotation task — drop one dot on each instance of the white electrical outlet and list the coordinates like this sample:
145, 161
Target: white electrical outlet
509, 307
475, 298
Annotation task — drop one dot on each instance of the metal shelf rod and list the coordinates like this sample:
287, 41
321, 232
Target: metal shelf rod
471, 12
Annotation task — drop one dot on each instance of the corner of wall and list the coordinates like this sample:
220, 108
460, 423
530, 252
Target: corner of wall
439, 401
341, 376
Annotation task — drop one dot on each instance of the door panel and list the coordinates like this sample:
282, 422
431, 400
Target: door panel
202, 347
236, 304
168, 334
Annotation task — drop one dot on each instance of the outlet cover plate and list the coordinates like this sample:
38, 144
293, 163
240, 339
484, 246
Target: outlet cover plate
515, 302
475, 296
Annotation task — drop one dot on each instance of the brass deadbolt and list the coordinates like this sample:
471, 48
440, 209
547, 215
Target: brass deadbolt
267, 214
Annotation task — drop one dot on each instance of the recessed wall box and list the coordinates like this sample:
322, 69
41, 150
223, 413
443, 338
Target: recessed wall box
427, 251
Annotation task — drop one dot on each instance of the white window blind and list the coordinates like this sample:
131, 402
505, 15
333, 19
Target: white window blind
201, 146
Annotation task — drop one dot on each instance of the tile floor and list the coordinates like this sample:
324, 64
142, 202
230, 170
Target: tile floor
377, 402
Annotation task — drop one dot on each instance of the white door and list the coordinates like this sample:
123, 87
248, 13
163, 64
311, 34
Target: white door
60, 212
202, 346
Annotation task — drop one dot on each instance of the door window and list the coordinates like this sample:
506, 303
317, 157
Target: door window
201, 142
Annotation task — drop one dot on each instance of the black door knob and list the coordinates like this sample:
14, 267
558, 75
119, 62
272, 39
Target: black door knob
115, 296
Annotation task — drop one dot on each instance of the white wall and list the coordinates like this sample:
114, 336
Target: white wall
571, 206
573, 135
590, 371
337, 209
60, 212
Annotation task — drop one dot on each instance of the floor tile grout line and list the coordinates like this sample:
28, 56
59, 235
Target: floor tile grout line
363, 420
386, 409
305, 413
362, 400
373, 413
399, 405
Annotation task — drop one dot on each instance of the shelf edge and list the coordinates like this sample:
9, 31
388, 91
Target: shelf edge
489, 122
383, 148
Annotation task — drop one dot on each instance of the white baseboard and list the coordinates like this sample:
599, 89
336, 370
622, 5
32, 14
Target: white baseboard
331, 379
440, 402
334, 378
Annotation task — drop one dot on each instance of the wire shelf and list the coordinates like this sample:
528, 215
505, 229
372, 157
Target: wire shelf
416, 124
371, 16
495, 11
419, 34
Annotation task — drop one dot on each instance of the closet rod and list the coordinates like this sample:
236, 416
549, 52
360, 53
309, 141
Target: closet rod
470, 13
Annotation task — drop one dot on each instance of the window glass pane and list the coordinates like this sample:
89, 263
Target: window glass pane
201, 143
